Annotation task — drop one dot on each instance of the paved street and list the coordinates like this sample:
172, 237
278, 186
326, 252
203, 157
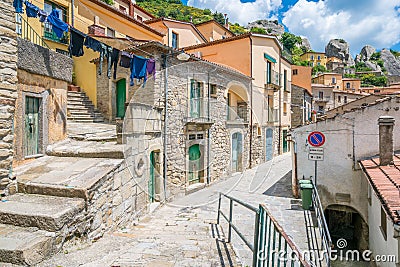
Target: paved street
182, 233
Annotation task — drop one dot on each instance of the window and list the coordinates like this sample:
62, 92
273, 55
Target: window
196, 94
333, 80
348, 85
383, 223
321, 108
285, 80
339, 99
122, 9
345, 99
18, 22
311, 64
110, 32
174, 40
295, 72
200, 136
285, 109
320, 95
269, 72
48, 28
377, 91
311, 57
369, 195
139, 18
319, 57
192, 136
319, 63
213, 90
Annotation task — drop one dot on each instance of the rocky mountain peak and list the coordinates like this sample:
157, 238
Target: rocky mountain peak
366, 52
271, 26
339, 48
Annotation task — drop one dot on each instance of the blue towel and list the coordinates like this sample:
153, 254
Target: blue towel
17, 4
31, 10
138, 68
59, 26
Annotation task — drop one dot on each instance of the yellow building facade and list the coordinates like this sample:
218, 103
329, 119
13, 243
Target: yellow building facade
314, 58
121, 20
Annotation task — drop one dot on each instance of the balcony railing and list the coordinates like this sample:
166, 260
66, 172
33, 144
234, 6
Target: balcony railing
49, 34
237, 113
25, 31
322, 99
272, 79
273, 115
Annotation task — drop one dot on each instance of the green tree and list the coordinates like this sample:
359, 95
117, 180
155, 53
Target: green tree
219, 17
372, 80
161, 13
258, 30
318, 68
207, 12
290, 41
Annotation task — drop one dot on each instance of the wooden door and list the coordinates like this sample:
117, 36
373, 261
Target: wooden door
31, 144
121, 98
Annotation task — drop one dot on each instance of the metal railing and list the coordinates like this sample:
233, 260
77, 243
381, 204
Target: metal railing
238, 113
272, 78
322, 99
273, 115
326, 241
25, 31
269, 236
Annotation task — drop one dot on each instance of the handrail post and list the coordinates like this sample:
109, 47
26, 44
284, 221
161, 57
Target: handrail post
256, 251
219, 207
230, 220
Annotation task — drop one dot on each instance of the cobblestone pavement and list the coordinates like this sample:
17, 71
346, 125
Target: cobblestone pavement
182, 233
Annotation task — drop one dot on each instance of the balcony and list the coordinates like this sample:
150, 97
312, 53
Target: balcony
237, 113
200, 111
50, 35
272, 80
322, 99
25, 31
273, 115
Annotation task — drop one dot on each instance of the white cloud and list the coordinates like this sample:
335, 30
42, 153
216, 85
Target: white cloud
240, 12
370, 22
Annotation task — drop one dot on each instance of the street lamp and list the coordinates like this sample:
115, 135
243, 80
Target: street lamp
181, 56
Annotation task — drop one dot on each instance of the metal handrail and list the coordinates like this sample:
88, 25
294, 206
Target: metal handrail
326, 241
265, 223
28, 33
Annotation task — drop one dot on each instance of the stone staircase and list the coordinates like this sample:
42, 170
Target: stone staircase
80, 108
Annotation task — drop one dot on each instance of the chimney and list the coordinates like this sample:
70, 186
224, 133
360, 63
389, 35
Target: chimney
386, 124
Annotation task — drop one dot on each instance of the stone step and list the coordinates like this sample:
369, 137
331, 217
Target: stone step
80, 107
48, 213
25, 246
84, 113
72, 93
75, 99
70, 177
87, 120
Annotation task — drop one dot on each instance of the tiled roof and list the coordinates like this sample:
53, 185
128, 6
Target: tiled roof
386, 182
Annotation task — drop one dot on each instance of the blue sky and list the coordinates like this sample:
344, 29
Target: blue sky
359, 22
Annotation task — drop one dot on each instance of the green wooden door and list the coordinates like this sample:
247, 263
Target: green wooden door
121, 98
285, 142
152, 177
194, 164
31, 146
237, 152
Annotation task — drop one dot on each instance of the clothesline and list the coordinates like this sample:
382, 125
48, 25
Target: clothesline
140, 67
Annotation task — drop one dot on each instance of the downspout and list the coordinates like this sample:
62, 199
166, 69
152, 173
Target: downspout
165, 126
208, 131
280, 105
72, 12
251, 102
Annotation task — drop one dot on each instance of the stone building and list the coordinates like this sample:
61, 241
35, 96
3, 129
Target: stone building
8, 89
207, 122
341, 185
301, 102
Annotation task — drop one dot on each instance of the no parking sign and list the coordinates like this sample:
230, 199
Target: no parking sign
316, 139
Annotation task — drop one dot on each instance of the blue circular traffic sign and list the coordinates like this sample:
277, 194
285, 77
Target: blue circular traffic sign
316, 139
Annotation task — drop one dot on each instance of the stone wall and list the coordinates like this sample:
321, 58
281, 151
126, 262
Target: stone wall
52, 94
8, 94
43, 61
297, 104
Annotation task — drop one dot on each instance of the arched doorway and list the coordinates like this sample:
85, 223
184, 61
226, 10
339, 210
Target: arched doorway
194, 164
237, 150
120, 98
269, 151
344, 222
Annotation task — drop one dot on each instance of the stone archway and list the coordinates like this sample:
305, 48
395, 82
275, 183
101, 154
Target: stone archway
346, 222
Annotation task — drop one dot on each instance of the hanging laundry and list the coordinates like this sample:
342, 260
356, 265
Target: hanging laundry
125, 60
59, 26
76, 45
108, 53
17, 4
42, 15
31, 10
114, 61
93, 44
151, 67
138, 68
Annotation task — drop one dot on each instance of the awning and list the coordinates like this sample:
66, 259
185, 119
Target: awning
273, 60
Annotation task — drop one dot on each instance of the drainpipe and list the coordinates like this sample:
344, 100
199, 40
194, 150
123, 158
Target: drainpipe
208, 130
165, 126
72, 12
251, 102
280, 105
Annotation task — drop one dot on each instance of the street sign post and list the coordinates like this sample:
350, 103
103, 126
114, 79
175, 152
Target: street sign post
316, 152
